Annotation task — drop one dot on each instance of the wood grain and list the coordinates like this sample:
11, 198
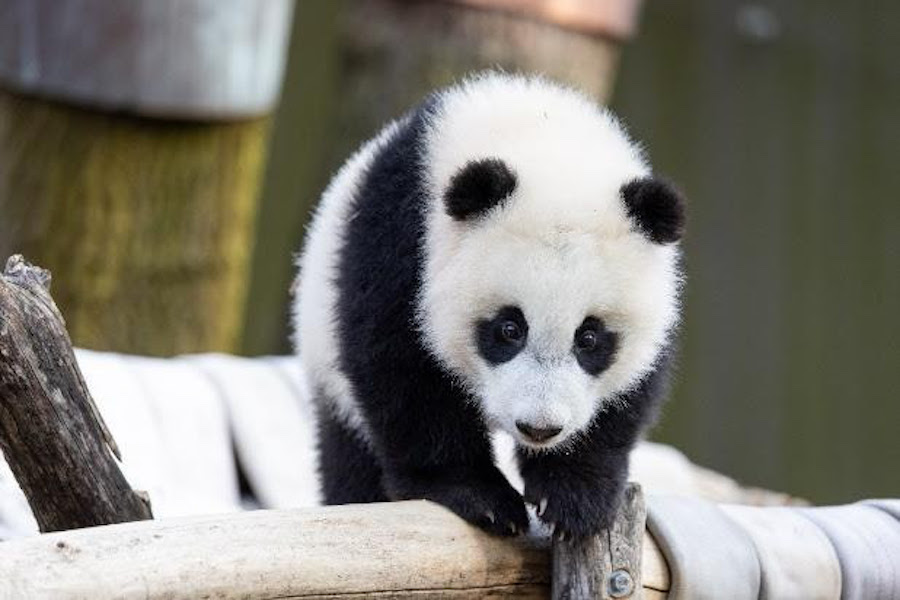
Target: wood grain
51, 434
401, 550
585, 569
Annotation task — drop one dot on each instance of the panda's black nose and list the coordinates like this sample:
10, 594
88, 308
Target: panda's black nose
537, 434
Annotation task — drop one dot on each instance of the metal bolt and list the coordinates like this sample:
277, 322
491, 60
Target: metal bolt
620, 584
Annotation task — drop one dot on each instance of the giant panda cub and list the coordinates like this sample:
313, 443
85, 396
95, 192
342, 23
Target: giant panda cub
499, 259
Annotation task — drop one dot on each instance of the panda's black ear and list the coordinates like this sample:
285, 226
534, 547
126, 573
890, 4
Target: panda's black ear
656, 208
478, 187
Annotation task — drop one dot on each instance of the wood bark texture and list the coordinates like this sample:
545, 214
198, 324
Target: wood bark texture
148, 225
413, 549
51, 434
606, 566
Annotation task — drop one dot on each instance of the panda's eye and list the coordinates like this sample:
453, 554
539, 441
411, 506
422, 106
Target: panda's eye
510, 332
502, 337
586, 340
594, 346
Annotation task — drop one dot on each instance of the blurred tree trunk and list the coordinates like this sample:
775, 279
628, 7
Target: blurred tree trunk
137, 180
146, 224
389, 54
393, 52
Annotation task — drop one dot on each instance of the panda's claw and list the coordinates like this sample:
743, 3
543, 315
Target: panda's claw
490, 516
542, 507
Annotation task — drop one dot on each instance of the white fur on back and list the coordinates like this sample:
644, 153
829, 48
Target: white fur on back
561, 247
315, 318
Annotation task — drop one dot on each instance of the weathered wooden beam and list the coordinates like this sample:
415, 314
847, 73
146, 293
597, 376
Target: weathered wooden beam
410, 549
606, 566
51, 433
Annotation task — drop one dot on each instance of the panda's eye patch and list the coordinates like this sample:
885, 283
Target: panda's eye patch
503, 336
594, 346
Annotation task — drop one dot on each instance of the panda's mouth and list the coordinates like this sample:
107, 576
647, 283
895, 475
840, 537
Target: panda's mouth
538, 434
541, 437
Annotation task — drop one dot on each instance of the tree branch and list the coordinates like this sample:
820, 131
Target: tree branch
51, 433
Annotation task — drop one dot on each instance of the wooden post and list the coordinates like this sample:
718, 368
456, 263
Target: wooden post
51, 434
132, 144
394, 52
607, 566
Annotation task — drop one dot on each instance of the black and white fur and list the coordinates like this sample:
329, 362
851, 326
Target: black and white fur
499, 259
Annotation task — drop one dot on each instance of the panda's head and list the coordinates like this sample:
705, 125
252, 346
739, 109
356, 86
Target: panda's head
551, 278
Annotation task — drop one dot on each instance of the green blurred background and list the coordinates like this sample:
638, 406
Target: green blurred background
781, 122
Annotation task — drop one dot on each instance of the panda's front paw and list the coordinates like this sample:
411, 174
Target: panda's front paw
483, 498
574, 508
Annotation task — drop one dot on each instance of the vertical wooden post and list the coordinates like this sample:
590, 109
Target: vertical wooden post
606, 566
51, 434
394, 52
132, 144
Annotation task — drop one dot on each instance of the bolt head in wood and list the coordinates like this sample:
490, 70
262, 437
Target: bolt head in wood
620, 584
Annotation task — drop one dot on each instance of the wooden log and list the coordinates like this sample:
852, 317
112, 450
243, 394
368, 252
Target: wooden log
51, 433
409, 549
606, 566
394, 52
147, 225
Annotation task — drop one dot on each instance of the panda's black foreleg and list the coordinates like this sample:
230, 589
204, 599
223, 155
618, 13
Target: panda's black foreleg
480, 495
432, 444
348, 470
577, 489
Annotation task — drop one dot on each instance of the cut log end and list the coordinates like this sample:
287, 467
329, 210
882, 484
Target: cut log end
20, 272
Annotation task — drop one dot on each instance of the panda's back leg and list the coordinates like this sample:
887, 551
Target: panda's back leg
348, 470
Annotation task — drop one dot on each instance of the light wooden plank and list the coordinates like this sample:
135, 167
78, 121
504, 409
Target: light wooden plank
401, 549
